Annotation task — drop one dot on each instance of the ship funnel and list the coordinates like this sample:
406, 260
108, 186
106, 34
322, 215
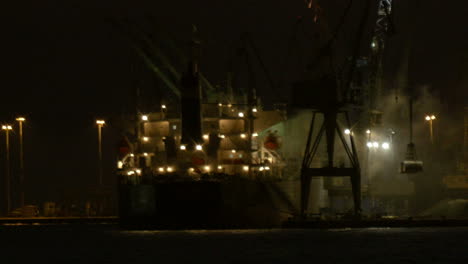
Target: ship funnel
191, 115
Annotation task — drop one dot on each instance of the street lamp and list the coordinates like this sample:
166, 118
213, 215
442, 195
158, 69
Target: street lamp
20, 121
430, 118
7, 129
163, 111
100, 124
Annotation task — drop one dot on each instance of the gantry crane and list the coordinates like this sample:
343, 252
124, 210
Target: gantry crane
334, 101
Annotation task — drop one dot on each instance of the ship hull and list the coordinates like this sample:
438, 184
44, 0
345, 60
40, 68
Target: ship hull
234, 203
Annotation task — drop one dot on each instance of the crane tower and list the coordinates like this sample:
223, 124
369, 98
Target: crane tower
383, 28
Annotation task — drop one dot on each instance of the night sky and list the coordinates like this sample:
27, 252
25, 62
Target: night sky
64, 65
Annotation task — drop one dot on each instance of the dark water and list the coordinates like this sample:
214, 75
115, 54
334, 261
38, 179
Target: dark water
98, 244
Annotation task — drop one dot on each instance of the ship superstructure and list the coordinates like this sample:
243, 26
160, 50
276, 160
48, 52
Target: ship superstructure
227, 145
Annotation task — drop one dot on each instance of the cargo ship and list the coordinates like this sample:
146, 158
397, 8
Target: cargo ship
204, 162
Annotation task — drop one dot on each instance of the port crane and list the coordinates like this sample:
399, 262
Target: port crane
335, 100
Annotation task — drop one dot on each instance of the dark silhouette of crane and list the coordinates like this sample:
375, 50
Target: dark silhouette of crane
332, 98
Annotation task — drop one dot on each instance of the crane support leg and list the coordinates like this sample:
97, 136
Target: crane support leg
330, 127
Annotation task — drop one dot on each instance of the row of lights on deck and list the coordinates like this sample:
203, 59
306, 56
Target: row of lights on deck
145, 117
241, 114
200, 147
206, 168
163, 107
206, 137
254, 109
134, 172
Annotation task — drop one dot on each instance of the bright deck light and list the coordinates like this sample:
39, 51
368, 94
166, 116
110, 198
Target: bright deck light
145, 154
207, 168
375, 144
245, 168
206, 136
242, 135
220, 167
198, 147
368, 131
145, 139
144, 117
254, 110
241, 114
255, 135
7, 127
183, 147
100, 122
369, 144
170, 169
347, 131
20, 119
161, 169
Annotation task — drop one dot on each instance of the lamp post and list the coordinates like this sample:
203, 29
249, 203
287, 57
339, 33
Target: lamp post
20, 121
367, 168
100, 124
430, 118
7, 129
